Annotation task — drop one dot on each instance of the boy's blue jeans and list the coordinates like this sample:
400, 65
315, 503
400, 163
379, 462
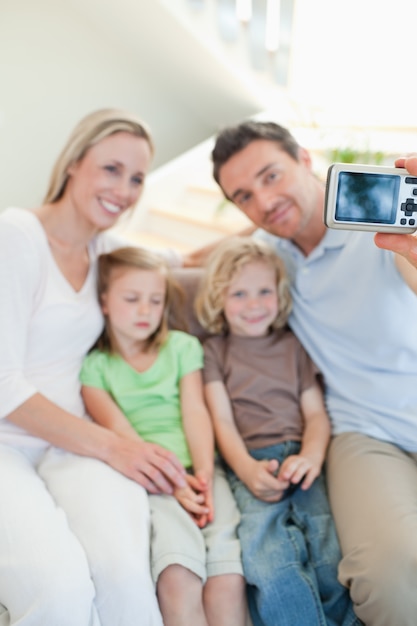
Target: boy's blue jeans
290, 554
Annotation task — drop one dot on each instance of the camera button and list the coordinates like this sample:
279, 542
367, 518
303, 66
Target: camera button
403, 221
412, 180
412, 222
409, 207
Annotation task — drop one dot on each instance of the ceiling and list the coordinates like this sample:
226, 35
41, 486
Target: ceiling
172, 55
349, 63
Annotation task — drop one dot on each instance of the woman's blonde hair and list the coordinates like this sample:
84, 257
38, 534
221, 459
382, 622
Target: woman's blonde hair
228, 258
132, 257
88, 132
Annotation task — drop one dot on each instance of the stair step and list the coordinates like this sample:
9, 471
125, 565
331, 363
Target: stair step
193, 218
154, 240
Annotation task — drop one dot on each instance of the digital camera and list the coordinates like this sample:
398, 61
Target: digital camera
370, 197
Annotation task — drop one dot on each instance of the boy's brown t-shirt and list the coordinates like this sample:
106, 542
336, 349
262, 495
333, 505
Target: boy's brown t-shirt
264, 377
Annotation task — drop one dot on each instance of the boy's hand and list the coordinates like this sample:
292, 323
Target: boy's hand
260, 477
296, 467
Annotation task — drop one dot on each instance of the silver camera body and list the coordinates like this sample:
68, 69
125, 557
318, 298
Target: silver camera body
370, 197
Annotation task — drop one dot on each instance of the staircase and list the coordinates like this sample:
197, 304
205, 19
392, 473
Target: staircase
182, 207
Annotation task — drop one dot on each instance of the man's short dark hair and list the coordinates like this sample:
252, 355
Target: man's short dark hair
234, 138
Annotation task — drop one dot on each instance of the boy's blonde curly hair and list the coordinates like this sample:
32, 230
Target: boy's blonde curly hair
228, 258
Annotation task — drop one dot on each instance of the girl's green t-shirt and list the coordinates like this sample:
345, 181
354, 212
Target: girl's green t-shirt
150, 400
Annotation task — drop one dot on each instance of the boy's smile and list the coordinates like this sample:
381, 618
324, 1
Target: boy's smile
251, 301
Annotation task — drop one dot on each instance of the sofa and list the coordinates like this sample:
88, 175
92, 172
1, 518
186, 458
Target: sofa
188, 279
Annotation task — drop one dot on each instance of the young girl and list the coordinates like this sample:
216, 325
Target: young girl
272, 430
144, 382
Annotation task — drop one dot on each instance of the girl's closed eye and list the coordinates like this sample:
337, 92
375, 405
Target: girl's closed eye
113, 169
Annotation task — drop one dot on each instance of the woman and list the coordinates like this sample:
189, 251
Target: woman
74, 514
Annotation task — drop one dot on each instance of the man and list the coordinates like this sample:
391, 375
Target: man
355, 311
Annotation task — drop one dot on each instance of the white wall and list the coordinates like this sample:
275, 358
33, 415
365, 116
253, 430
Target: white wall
61, 59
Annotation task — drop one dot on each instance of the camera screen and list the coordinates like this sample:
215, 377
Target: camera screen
371, 198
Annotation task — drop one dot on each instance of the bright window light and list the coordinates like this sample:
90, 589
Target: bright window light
244, 10
272, 25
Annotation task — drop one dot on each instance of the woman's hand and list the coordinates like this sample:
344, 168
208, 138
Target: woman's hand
158, 470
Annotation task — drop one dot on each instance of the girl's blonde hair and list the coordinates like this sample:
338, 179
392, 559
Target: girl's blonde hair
135, 258
228, 258
88, 132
